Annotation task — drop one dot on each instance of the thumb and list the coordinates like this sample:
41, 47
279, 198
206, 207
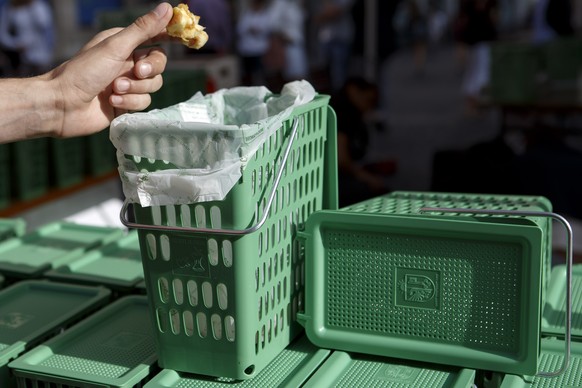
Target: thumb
143, 29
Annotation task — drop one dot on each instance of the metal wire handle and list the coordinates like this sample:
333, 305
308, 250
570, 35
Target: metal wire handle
232, 232
569, 249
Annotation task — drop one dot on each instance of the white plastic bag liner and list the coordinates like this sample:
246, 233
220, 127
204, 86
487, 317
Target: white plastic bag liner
204, 142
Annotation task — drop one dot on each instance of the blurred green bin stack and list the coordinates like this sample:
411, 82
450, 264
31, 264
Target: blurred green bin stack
68, 158
30, 175
112, 348
50, 246
11, 227
460, 290
35, 310
116, 265
179, 85
101, 157
357, 370
5, 184
515, 68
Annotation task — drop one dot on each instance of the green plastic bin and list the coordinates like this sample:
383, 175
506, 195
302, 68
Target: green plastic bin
50, 246
226, 305
410, 202
179, 85
30, 175
290, 369
101, 157
514, 71
68, 158
5, 184
461, 291
552, 354
111, 348
33, 311
11, 227
563, 59
553, 315
357, 370
116, 265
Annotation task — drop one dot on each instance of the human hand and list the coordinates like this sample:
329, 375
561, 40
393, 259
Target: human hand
110, 75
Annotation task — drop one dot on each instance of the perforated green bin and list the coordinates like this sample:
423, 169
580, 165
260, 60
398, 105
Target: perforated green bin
290, 369
358, 370
33, 311
225, 304
112, 348
462, 291
553, 314
552, 354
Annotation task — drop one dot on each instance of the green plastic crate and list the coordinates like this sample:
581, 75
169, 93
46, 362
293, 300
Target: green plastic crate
101, 157
116, 265
553, 315
357, 370
30, 177
5, 184
111, 348
226, 305
410, 202
290, 369
552, 356
450, 290
562, 58
68, 157
50, 246
11, 227
514, 69
179, 85
33, 311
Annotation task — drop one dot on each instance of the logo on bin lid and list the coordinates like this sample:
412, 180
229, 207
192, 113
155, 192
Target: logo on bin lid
397, 373
417, 288
14, 320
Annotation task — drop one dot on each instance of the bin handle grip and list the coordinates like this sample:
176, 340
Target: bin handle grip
569, 260
232, 232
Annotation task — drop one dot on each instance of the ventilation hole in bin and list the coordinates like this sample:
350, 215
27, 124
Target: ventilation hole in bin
161, 320
260, 309
165, 247
175, 321
185, 216
227, 253
213, 252
257, 279
216, 323
250, 370
229, 328
188, 323
215, 217
137, 159
285, 287
192, 287
276, 264
222, 296
171, 215
178, 291
270, 269
254, 182
151, 246
267, 303
207, 294
202, 325
164, 289
200, 214
156, 215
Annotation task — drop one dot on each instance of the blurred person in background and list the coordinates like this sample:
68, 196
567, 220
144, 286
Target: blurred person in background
287, 55
335, 33
480, 31
411, 20
357, 181
216, 17
27, 35
254, 31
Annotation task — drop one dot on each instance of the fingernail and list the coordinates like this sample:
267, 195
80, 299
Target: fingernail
161, 10
145, 69
122, 85
116, 100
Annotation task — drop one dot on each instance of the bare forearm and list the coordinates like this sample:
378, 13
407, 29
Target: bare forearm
28, 109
